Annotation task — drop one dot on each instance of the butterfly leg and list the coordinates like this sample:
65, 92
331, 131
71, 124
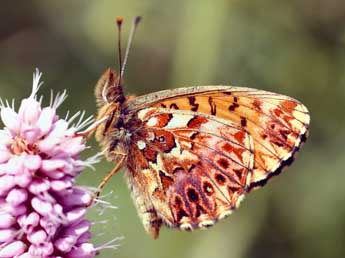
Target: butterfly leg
107, 178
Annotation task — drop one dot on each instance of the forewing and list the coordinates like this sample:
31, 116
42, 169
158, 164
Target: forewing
189, 168
278, 124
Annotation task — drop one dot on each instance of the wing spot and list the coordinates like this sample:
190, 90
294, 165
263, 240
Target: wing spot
224, 163
257, 104
220, 179
173, 106
208, 188
284, 133
180, 214
192, 195
227, 147
212, 106
193, 136
191, 168
233, 106
195, 106
243, 121
178, 169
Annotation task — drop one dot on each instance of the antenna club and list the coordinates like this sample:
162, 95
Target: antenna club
119, 20
137, 20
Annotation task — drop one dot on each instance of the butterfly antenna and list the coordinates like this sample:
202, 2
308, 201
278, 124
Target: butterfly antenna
129, 44
119, 21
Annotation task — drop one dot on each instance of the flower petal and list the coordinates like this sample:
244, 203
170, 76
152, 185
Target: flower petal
29, 222
16, 196
42, 207
37, 237
75, 214
4, 155
39, 186
13, 249
10, 120
7, 235
42, 250
6, 183
85, 250
45, 121
29, 111
6, 220
5, 138
33, 162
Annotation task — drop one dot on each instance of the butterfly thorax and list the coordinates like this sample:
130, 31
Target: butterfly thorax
111, 101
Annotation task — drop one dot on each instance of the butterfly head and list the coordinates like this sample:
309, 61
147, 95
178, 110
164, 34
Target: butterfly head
109, 97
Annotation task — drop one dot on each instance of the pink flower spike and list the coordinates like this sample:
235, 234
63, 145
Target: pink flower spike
13, 249
42, 211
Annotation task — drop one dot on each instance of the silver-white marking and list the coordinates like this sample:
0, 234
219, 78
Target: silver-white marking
143, 113
152, 121
141, 145
179, 121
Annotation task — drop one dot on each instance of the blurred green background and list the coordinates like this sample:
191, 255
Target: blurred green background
294, 47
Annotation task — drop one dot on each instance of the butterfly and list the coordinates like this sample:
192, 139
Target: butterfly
192, 154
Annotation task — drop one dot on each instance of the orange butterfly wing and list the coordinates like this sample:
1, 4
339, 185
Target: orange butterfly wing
278, 124
187, 169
